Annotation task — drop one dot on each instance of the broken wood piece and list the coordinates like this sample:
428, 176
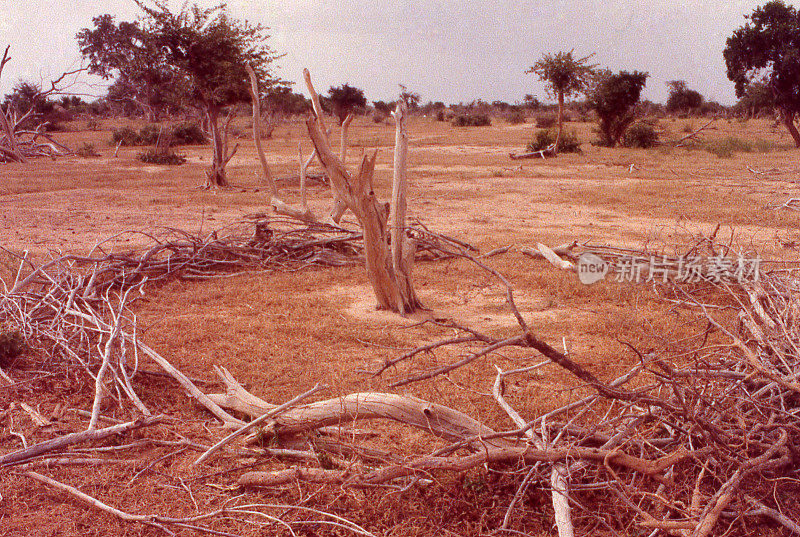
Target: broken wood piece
304, 215
563, 250
36, 417
255, 423
75, 438
543, 154
188, 385
5, 380
436, 419
679, 143
290, 475
553, 258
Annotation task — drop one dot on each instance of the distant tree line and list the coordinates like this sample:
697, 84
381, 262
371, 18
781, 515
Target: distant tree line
166, 64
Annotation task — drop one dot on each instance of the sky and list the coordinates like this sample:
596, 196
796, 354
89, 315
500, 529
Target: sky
445, 50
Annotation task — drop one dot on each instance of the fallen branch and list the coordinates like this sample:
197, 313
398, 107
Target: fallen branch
61, 442
680, 143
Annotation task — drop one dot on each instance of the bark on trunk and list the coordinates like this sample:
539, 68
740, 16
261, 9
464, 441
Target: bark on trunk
788, 120
371, 215
216, 174
560, 121
402, 262
357, 194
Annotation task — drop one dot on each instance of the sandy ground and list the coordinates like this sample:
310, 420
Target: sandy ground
280, 333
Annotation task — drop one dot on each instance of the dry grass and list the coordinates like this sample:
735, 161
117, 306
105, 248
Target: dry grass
280, 333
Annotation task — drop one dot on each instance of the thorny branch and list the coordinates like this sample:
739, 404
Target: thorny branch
676, 444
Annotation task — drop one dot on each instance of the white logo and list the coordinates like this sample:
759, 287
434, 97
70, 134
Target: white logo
591, 268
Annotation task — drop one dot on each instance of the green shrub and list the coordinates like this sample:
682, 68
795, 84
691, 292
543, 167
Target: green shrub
188, 133
92, 125
515, 117
154, 156
471, 120
182, 134
546, 121
87, 150
641, 135
149, 134
125, 136
568, 143
726, 147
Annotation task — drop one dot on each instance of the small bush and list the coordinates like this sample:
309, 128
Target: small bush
546, 121
87, 150
641, 135
149, 134
471, 120
515, 118
125, 136
92, 125
182, 134
154, 156
12, 344
726, 147
379, 117
568, 143
188, 133
440, 115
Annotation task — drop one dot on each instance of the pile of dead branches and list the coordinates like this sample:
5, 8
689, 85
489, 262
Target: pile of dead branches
699, 444
257, 243
18, 144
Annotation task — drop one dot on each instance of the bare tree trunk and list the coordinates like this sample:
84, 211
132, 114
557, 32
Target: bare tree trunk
273, 189
560, 121
12, 152
788, 120
216, 174
356, 192
402, 247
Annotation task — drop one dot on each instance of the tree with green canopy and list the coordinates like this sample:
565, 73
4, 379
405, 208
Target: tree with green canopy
345, 99
614, 98
565, 76
767, 49
196, 57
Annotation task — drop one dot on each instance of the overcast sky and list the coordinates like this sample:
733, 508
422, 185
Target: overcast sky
446, 50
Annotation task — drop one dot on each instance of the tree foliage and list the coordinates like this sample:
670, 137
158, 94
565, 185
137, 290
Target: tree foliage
31, 106
411, 98
614, 98
565, 76
384, 107
757, 100
283, 99
127, 53
345, 99
682, 99
195, 57
767, 49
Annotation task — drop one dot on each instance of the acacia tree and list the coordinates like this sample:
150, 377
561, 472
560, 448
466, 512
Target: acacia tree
614, 97
125, 53
199, 54
565, 76
683, 99
758, 99
768, 49
344, 99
